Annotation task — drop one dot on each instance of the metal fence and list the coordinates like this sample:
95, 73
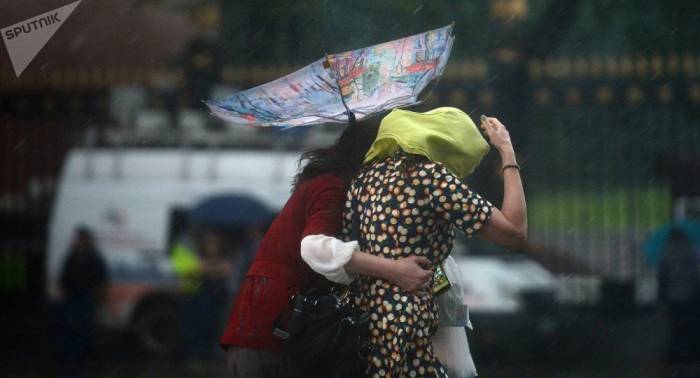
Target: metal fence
602, 138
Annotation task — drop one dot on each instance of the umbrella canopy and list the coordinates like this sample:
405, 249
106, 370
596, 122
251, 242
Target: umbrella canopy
655, 244
365, 81
230, 210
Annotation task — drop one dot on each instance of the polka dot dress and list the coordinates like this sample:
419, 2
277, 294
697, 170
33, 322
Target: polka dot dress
406, 206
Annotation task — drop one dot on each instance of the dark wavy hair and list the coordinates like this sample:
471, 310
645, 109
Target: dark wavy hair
344, 158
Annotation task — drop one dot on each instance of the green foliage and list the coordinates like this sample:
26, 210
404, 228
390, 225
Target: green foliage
611, 209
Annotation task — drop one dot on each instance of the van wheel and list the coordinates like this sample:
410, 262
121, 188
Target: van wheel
158, 329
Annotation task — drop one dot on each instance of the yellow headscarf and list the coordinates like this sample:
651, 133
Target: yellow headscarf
445, 135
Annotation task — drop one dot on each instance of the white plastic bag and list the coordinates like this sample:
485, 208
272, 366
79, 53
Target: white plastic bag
450, 343
453, 311
451, 347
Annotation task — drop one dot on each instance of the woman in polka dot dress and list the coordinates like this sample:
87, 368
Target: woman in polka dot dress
407, 201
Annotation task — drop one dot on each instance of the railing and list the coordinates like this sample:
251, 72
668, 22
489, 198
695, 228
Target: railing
599, 133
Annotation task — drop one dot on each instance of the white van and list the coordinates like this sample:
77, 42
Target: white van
132, 199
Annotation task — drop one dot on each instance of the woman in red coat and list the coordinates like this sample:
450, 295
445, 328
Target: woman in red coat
278, 271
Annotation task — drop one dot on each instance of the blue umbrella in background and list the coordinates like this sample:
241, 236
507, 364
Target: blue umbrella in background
230, 210
656, 243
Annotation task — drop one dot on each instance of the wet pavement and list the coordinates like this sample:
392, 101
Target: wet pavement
592, 345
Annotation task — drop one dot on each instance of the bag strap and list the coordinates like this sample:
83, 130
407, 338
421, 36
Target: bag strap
285, 317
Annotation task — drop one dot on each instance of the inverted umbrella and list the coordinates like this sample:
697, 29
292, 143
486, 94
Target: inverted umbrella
363, 81
230, 210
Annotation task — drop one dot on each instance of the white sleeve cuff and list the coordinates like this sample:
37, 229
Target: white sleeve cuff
327, 255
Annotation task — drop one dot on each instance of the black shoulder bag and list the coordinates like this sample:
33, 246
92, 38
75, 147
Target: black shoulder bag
326, 334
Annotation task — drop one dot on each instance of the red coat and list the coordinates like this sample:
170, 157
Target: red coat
277, 271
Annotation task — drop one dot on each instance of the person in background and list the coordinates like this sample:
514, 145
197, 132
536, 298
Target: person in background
679, 290
83, 281
205, 274
217, 266
203, 60
243, 244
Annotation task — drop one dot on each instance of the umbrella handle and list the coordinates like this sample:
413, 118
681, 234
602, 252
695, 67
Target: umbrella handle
351, 116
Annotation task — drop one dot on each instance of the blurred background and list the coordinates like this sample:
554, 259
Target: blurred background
125, 208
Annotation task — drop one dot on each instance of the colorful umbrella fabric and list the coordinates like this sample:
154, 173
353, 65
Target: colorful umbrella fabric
365, 81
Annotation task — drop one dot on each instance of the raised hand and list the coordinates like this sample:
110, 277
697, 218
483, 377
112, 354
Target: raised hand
497, 134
